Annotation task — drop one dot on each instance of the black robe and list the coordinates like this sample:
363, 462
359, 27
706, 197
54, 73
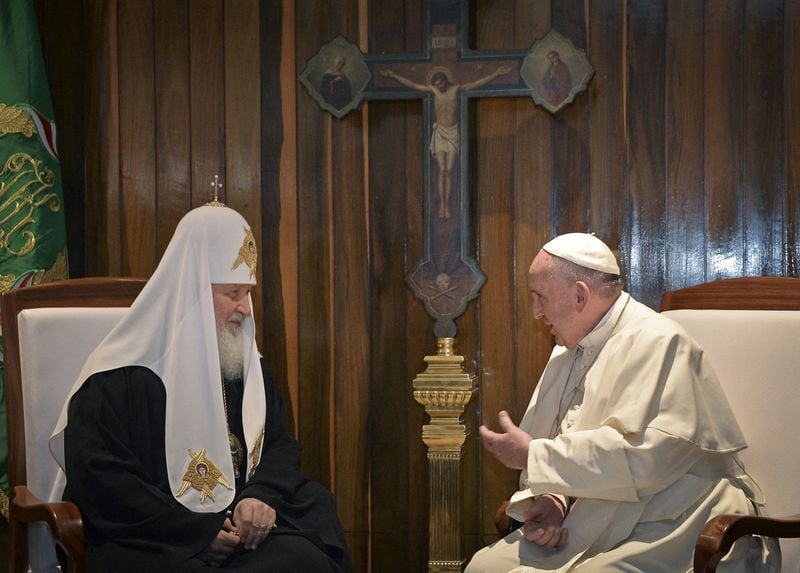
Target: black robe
117, 475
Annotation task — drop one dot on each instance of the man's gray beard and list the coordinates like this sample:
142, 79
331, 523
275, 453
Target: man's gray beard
231, 354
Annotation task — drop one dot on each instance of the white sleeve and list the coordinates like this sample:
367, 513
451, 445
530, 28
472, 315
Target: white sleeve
603, 464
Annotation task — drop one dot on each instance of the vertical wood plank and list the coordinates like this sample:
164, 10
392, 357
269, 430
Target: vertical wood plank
763, 151
607, 143
390, 385
418, 338
102, 139
172, 117
390, 427
533, 220
279, 193
207, 93
685, 208
570, 129
722, 139
493, 133
62, 25
792, 135
400, 326
351, 321
278, 278
242, 105
497, 371
646, 150
351, 312
137, 137
314, 272
533, 205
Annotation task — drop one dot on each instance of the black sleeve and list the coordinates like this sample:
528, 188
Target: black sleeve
116, 470
278, 476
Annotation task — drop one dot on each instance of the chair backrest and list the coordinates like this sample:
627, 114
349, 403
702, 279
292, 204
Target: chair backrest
49, 330
750, 330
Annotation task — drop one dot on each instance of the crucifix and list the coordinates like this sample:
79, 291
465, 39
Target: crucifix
446, 76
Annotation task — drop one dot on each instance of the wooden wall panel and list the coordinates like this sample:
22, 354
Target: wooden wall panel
60, 32
314, 263
685, 85
644, 257
763, 158
242, 105
390, 400
791, 149
607, 123
495, 201
207, 97
350, 376
501, 124
137, 139
399, 324
279, 194
723, 139
532, 227
570, 154
683, 154
102, 236
173, 119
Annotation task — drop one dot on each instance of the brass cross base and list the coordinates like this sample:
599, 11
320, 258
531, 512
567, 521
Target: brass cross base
444, 389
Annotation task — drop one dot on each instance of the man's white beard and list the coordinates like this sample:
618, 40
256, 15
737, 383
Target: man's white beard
231, 353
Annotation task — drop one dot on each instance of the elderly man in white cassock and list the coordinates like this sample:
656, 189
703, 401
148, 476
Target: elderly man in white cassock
628, 445
174, 440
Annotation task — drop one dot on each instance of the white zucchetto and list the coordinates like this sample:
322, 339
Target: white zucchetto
584, 249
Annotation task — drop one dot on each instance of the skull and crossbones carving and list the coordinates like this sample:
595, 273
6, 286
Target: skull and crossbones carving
443, 284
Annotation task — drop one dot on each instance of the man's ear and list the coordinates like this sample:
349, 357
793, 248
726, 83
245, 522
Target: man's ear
581, 294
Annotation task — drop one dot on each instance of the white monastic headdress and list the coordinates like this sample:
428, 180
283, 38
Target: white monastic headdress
170, 329
584, 249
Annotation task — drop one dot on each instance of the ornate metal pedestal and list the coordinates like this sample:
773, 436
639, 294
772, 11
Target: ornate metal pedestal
445, 389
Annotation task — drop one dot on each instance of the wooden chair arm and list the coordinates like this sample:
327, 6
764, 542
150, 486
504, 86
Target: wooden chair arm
502, 522
720, 533
63, 518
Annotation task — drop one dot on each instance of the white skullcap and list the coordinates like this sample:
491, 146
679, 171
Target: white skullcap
585, 250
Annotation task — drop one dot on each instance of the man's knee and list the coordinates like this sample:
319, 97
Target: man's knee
484, 561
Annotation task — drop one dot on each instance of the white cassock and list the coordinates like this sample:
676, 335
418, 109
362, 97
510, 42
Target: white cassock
634, 427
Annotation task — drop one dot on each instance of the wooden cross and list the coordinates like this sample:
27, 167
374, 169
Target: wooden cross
445, 76
447, 277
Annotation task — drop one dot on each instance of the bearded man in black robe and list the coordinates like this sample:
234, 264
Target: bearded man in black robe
174, 440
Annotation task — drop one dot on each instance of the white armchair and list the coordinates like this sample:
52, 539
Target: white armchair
750, 329
49, 330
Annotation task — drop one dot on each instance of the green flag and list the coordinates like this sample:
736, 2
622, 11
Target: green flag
32, 228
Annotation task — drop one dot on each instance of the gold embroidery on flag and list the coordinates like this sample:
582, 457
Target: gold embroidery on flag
24, 186
15, 120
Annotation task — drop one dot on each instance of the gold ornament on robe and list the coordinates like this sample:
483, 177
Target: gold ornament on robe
247, 253
203, 475
237, 453
255, 455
